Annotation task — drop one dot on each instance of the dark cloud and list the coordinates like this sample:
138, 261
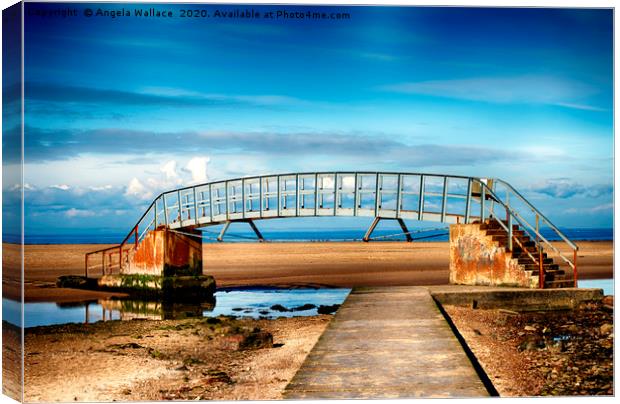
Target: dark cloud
564, 188
47, 145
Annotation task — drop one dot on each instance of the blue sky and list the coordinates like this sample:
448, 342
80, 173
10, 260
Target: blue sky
120, 109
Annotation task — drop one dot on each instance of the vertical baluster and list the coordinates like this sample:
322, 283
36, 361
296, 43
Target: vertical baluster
482, 198
179, 202
316, 194
377, 195
260, 196
444, 199
297, 202
165, 210
336, 193
421, 199
210, 203
243, 198
356, 194
468, 201
399, 196
226, 201
278, 194
195, 206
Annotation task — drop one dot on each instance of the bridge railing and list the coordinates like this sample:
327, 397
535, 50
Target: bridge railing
416, 196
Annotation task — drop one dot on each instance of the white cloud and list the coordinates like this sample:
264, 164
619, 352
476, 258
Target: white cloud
529, 89
170, 170
603, 208
137, 189
101, 188
195, 172
197, 167
62, 187
72, 213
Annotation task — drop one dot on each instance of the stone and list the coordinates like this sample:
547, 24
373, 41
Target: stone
606, 329
247, 338
529, 328
304, 307
531, 343
76, 282
279, 307
328, 309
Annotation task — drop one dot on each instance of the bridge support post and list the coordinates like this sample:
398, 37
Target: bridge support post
375, 222
220, 238
259, 235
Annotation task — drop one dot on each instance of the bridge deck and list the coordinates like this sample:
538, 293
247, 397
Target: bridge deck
387, 343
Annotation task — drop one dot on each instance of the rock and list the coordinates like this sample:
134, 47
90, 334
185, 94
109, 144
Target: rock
608, 300
279, 307
247, 338
531, 343
237, 309
328, 309
529, 328
304, 307
216, 376
606, 329
263, 312
76, 282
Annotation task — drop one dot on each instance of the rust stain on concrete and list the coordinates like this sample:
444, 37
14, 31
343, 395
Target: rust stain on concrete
166, 253
476, 259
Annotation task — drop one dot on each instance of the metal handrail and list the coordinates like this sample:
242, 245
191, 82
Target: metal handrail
537, 212
525, 225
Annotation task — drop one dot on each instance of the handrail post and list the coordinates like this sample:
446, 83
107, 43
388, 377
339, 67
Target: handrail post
377, 196
421, 199
509, 220
482, 198
165, 210
86, 265
541, 271
136, 230
195, 205
467, 201
575, 267
444, 200
180, 209
120, 258
399, 196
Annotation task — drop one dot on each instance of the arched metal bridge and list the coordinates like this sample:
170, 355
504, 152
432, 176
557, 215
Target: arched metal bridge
382, 195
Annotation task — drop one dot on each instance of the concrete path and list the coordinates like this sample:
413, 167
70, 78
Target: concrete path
389, 342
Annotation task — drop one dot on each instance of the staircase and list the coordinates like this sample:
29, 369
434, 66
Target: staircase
528, 256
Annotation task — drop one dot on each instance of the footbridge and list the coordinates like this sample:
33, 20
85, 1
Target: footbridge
487, 216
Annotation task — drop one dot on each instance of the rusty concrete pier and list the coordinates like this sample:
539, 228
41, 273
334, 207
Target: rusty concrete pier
387, 343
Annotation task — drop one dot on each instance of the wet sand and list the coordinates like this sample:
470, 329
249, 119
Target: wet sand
165, 360
340, 264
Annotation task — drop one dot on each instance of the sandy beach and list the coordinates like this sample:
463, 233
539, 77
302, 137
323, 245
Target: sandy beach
180, 355
341, 264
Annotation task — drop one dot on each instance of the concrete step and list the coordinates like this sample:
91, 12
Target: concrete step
525, 260
560, 283
546, 267
555, 273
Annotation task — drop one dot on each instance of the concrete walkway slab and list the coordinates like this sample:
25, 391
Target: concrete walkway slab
389, 342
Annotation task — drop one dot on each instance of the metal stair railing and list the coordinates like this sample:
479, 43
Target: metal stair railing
533, 231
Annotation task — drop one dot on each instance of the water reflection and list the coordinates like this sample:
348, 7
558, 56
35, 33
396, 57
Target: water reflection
263, 303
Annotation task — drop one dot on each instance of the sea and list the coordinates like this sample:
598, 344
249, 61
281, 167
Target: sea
438, 234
